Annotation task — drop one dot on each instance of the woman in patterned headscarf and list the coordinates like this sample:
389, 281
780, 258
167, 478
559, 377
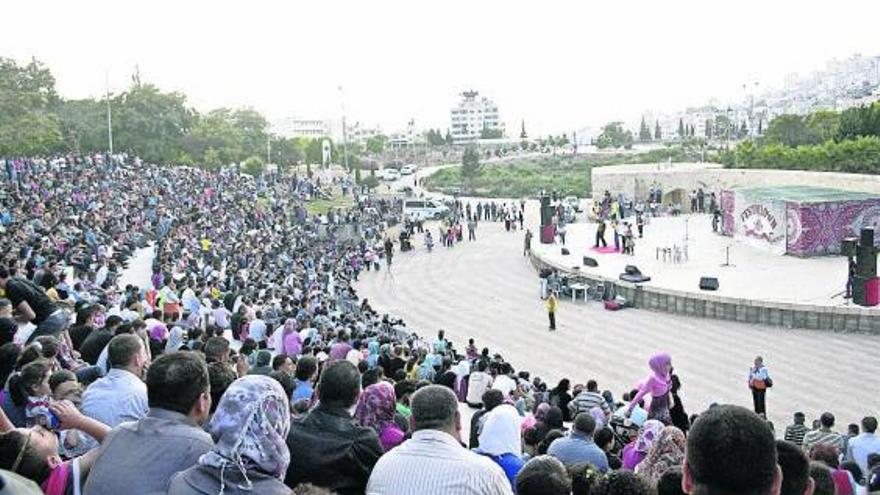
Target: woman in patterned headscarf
637, 450
376, 408
249, 427
667, 452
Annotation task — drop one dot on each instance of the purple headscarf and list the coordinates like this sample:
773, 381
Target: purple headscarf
659, 382
376, 408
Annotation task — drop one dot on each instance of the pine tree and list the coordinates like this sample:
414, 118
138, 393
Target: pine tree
708, 129
644, 131
760, 127
522, 134
658, 135
681, 130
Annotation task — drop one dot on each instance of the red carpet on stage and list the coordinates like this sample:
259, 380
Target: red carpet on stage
604, 250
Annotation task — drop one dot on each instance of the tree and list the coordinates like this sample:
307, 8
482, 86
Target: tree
708, 129
760, 127
376, 144
149, 122
253, 166
357, 175
614, 136
522, 133
470, 166
743, 130
448, 137
681, 131
28, 124
788, 130
858, 121
658, 134
723, 127
644, 131
488, 133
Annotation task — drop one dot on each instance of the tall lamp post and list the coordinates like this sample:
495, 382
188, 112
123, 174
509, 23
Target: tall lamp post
344, 131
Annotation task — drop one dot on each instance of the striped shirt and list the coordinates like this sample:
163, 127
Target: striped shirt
585, 401
434, 463
823, 437
795, 434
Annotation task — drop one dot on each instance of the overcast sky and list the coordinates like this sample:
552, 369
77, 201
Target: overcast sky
558, 65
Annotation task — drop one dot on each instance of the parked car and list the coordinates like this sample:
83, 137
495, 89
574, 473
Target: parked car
573, 202
390, 174
408, 169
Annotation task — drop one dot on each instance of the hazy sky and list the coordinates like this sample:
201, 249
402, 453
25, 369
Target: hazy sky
559, 65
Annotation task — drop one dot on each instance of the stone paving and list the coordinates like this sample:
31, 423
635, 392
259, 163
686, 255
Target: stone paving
487, 290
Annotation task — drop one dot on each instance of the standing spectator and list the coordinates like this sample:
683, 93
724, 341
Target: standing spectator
824, 435
251, 424
865, 444
759, 382
721, 434
327, 448
552, 305
543, 475
579, 445
794, 433
436, 443
139, 458
121, 395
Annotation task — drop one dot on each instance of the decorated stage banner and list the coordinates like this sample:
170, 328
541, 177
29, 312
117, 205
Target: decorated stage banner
816, 229
759, 222
727, 207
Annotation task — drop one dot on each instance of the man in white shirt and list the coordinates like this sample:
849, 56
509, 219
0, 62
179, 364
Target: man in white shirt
865, 444
257, 330
478, 383
504, 382
436, 442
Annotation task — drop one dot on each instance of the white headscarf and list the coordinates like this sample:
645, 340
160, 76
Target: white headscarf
175, 339
501, 432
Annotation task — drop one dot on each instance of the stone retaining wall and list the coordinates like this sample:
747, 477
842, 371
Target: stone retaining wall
707, 305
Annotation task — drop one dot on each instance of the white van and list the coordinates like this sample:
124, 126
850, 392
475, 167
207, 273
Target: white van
408, 169
423, 209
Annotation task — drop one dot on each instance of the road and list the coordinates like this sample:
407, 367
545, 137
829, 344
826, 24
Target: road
487, 290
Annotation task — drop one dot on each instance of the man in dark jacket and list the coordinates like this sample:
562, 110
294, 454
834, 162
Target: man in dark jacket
326, 448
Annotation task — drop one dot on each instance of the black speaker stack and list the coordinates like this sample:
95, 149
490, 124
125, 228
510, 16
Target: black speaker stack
865, 267
546, 211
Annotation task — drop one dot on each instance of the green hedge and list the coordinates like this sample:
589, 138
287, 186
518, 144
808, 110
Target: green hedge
860, 155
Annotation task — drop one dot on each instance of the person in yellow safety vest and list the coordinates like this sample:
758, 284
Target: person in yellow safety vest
552, 304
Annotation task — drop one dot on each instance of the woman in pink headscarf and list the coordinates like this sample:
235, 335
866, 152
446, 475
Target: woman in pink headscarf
658, 384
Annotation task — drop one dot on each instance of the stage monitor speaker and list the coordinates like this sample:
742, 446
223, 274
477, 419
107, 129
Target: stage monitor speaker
867, 236
632, 270
708, 283
565, 252
866, 261
590, 262
848, 246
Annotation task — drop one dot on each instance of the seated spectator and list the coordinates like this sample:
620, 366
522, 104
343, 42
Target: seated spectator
625, 483
376, 408
436, 443
121, 395
824, 435
220, 376
250, 427
263, 364
670, 482
500, 440
543, 475
478, 383
491, 399
327, 448
721, 434
828, 455
587, 399
579, 445
216, 350
666, 453
140, 457
795, 432
306, 368
865, 444
604, 439
26, 391
824, 482
283, 363
33, 452
795, 469
96, 341
638, 449
8, 326
584, 477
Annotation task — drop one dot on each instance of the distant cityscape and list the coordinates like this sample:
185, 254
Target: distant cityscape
476, 117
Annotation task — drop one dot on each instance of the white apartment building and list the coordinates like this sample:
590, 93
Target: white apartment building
471, 116
292, 127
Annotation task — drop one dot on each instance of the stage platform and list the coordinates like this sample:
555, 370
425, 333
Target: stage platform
757, 287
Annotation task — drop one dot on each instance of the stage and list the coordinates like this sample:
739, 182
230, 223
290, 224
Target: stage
757, 286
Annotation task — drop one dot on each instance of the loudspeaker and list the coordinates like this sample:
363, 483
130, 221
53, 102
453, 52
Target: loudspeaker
590, 262
867, 236
546, 211
708, 283
632, 270
866, 261
848, 246
565, 252
859, 290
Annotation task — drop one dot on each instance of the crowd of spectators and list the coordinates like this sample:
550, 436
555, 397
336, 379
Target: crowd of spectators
248, 364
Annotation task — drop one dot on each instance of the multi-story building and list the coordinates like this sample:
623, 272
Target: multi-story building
292, 127
475, 117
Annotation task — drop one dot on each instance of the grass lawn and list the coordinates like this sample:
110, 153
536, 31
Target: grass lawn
322, 206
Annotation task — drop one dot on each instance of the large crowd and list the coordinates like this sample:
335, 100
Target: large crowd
249, 364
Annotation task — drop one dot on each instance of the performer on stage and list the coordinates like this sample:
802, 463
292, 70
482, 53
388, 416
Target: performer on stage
658, 384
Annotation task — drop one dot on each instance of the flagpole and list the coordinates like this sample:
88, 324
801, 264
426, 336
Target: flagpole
109, 113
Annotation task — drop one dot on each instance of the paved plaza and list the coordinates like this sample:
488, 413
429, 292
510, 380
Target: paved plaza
488, 290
